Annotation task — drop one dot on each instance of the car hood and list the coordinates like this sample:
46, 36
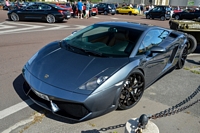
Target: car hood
67, 70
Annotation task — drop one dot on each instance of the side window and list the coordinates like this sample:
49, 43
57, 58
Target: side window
44, 7
32, 7
152, 38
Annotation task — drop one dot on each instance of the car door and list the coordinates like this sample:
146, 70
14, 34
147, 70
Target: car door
153, 63
42, 11
30, 12
154, 12
196, 14
123, 9
187, 14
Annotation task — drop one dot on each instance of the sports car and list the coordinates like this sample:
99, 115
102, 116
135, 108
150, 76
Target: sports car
127, 10
39, 11
101, 68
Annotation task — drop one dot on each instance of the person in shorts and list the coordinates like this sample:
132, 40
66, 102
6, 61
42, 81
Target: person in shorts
80, 9
87, 9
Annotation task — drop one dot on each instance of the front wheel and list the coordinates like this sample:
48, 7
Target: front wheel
14, 17
182, 58
130, 13
105, 13
162, 18
50, 18
132, 90
177, 17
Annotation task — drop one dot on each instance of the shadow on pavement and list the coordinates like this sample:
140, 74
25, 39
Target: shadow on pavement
193, 61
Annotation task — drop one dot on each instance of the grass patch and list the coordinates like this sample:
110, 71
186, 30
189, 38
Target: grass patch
195, 71
191, 69
37, 117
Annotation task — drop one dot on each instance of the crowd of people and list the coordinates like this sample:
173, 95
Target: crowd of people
9, 6
82, 8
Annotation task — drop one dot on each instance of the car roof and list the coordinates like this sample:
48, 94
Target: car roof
131, 25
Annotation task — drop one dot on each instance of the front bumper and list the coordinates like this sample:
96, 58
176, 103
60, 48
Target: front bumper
71, 105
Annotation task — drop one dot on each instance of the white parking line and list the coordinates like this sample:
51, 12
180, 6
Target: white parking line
15, 108
114, 18
19, 124
6, 27
21, 29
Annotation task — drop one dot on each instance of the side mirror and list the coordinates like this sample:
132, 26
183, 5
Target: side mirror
157, 49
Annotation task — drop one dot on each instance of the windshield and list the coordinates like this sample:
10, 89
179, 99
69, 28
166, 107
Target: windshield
104, 40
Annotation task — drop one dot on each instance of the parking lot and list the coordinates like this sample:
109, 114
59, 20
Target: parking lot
20, 40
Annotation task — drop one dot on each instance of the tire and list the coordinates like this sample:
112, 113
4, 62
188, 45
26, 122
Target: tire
182, 58
177, 17
117, 12
192, 43
162, 18
14, 17
135, 14
129, 13
132, 90
105, 12
148, 17
113, 13
50, 18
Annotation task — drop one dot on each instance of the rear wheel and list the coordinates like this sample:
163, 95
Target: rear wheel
129, 13
14, 17
182, 58
132, 90
192, 43
117, 12
148, 16
50, 18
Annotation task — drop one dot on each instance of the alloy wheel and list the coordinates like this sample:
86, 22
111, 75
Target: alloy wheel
147, 16
162, 18
14, 17
132, 90
182, 58
177, 17
50, 18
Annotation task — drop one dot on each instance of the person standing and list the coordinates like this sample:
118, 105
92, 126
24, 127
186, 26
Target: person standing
87, 9
74, 8
17, 5
8, 4
80, 9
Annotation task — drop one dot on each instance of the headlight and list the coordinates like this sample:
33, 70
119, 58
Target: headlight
93, 83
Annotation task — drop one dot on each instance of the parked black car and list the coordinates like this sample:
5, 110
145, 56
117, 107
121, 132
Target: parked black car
187, 14
106, 8
162, 12
40, 11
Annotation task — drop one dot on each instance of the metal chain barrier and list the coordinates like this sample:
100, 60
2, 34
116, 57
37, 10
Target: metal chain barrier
177, 108
143, 120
